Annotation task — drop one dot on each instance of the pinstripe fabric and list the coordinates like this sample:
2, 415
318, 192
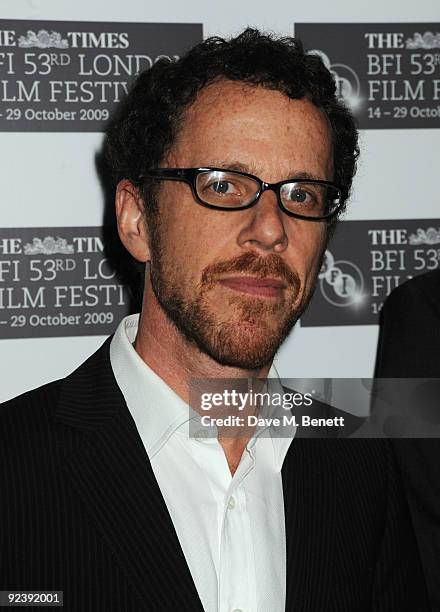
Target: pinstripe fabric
80, 508
82, 512
350, 546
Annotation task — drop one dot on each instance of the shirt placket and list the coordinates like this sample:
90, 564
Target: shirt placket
237, 589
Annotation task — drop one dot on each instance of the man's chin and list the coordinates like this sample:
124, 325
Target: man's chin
246, 345
241, 357
247, 339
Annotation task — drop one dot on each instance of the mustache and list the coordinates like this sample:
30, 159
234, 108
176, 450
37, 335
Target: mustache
262, 267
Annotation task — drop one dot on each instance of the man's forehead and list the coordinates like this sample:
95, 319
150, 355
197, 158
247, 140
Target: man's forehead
236, 124
236, 97
261, 110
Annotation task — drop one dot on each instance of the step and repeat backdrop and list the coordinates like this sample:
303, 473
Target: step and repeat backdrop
64, 285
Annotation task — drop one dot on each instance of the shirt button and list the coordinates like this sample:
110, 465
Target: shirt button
201, 435
231, 504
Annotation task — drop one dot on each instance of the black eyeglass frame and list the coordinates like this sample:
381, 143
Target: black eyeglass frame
189, 176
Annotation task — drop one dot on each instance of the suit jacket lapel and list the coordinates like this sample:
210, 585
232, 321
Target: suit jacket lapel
111, 472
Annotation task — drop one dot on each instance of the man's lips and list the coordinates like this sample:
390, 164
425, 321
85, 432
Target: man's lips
267, 287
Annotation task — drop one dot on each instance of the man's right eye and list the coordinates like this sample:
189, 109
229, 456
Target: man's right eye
222, 187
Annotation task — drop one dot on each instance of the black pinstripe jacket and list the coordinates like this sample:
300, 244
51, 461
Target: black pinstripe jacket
81, 512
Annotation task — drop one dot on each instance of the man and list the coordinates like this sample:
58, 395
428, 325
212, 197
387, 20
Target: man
108, 497
409, 346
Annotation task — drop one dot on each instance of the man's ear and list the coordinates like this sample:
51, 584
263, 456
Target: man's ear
131, 220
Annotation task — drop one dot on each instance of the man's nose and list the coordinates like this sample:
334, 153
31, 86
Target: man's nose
265, 227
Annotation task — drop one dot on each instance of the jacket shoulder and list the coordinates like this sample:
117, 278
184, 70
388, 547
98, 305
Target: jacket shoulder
80, 387
30, 408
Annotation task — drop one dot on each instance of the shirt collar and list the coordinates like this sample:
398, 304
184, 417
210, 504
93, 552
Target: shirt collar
156, 409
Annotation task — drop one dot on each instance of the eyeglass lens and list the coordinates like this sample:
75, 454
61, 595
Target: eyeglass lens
235, 190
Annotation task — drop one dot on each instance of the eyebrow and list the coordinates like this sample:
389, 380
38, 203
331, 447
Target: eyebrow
240, 167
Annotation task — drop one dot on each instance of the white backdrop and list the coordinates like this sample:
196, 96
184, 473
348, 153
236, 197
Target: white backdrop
49, 179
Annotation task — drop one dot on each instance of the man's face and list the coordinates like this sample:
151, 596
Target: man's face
235, 282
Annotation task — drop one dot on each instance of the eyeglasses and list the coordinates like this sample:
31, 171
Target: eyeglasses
310, 199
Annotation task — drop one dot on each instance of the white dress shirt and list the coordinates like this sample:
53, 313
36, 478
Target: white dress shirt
231, 528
